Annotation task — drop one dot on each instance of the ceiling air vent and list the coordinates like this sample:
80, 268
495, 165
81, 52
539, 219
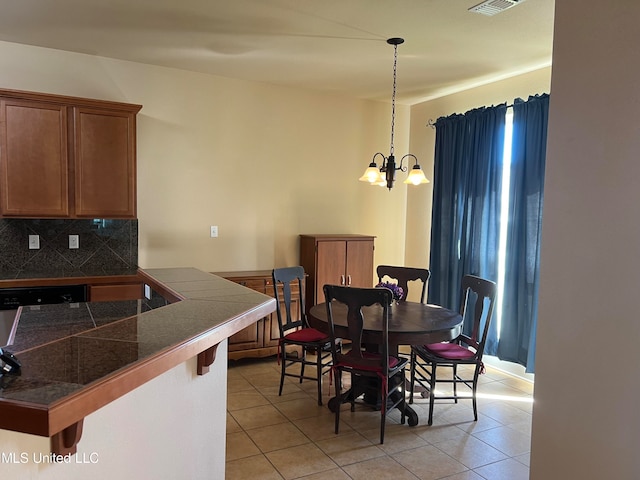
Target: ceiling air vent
491, 7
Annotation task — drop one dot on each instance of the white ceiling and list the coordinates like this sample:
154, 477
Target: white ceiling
331, 45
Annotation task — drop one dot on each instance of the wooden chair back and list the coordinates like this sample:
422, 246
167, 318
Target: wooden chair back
483, 304
403, 275
356, 298
286, 277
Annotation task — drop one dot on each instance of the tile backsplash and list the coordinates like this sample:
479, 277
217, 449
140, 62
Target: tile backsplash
106, 247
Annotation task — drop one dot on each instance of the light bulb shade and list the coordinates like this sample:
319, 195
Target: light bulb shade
372, 174
416, 176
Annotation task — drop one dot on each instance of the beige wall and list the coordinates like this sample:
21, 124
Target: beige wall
423, 140
586, 419
263, 163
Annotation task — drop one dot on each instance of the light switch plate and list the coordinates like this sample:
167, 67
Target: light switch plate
74, 241
147, 292
34, 242
214, 231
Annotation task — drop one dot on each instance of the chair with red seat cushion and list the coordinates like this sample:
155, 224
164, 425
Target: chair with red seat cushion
464, 350
295, 331
379, 372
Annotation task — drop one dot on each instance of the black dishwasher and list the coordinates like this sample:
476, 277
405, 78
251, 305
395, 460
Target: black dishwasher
12, 298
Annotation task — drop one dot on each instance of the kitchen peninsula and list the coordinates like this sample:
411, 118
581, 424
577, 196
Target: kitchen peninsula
130, 389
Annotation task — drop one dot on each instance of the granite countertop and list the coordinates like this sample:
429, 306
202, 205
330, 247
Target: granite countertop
42, 324
70, 350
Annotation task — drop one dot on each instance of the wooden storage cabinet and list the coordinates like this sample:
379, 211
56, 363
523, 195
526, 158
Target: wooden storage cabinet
260, 339
66, 157
335, 260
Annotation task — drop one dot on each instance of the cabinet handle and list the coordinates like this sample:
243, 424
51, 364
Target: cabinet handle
342, 282
349, 280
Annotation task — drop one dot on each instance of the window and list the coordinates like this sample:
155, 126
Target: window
504, 215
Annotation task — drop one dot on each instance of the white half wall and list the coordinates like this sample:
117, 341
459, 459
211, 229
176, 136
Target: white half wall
172, 427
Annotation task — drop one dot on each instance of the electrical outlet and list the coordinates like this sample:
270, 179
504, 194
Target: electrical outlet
214, 231
34, 242
147, 292
74, 241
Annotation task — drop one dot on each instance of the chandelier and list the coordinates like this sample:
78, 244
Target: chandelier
386, 174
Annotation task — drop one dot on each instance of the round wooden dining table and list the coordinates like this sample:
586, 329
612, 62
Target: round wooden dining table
410, 323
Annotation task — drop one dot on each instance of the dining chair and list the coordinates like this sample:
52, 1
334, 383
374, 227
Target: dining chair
478, 298
295, 331
379, 373
403, 275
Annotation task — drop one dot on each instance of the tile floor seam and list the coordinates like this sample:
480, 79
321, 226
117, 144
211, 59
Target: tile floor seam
484, 464
309, 440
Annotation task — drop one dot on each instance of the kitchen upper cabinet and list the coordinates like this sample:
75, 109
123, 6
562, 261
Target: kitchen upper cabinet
105, 177
34, 169
66, 157
335, 260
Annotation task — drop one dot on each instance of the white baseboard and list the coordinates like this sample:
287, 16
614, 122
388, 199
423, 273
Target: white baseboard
508, 367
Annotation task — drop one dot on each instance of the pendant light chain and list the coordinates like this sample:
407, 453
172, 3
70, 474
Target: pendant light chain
393, 97
384, 175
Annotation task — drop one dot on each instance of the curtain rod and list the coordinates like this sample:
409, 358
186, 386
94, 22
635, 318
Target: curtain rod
431, 123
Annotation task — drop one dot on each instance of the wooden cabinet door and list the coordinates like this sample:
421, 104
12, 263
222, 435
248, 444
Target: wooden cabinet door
360, 263
252, 336
248, 338
105, 170
271, 331
34, 172
331, 265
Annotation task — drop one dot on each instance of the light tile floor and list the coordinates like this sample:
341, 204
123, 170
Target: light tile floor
291, 437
